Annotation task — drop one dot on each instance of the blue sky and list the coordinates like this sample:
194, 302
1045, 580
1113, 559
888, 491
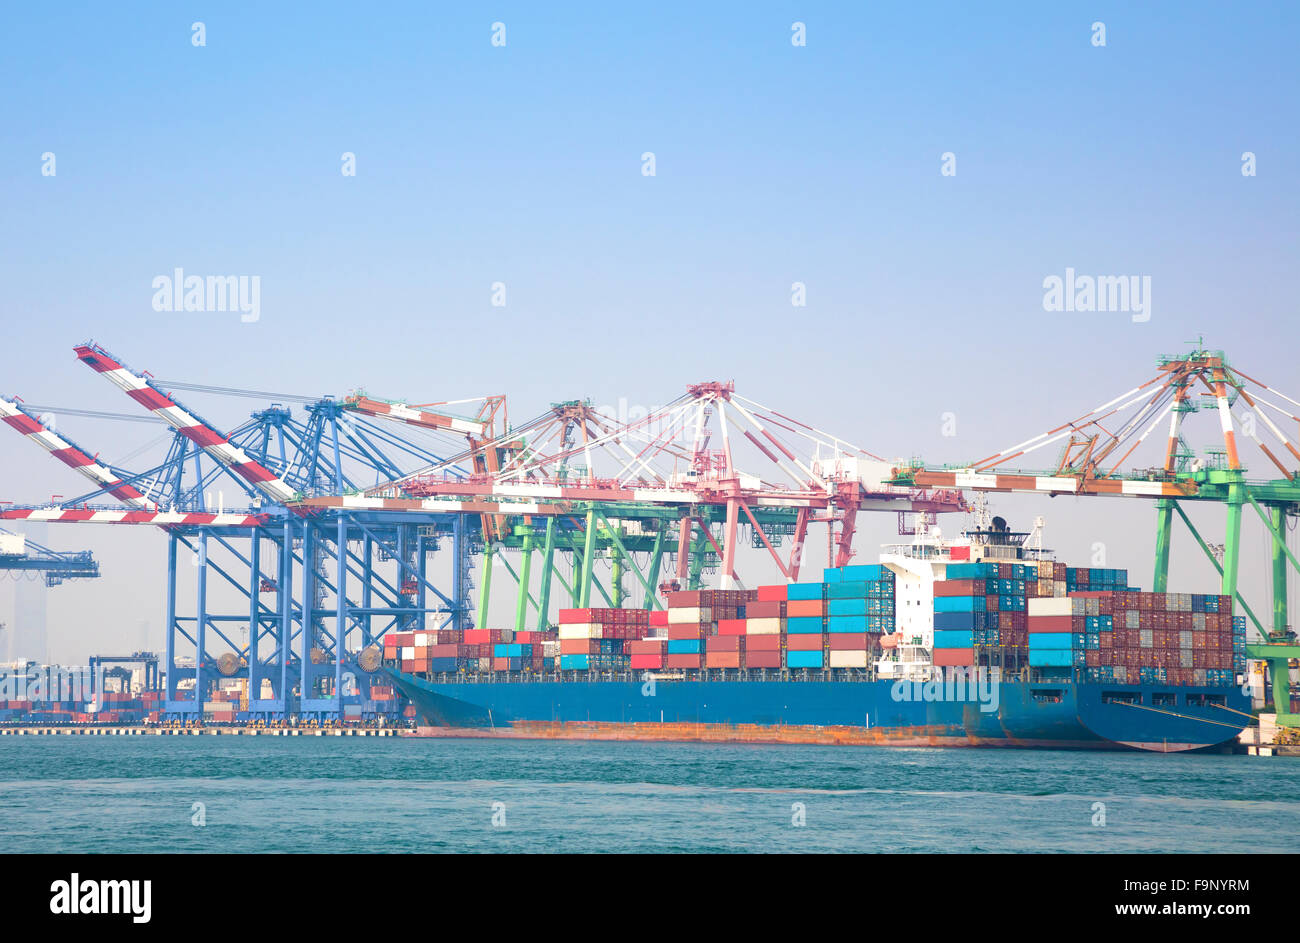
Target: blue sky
522, 164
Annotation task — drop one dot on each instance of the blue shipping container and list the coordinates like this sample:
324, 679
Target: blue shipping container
1049, 658
959, 620
1058, 641
803, 659
847, 607
958, 603
846, 624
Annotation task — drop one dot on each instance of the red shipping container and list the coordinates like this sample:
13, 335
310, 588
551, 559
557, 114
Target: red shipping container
649, 646
647, 661
805, 642
659, 617
579, 646
1051, 624
686, 630
688, 599
722, 660
960, 587
576, 616
755, 659
680, 660
772, 593
954, 657
762, 643
723, 643
731, 627
848, 641
764, 610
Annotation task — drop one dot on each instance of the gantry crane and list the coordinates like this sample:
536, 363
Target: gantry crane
1091, 459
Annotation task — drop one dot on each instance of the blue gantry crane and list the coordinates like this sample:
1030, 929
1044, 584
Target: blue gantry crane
19, 554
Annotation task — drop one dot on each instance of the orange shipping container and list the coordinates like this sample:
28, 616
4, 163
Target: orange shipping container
680, 630
722, 660
958, 657
805, 642
805, 607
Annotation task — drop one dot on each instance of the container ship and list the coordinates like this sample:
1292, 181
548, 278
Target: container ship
981, 640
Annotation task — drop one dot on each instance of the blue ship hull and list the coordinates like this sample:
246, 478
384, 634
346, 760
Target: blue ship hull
1054, 714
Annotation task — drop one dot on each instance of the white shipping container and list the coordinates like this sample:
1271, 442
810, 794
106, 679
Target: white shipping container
689, 615
1055, 606
408, 652
771, 626
421, 638
848, 659
581, 630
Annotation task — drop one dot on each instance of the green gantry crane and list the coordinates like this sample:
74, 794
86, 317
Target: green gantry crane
1091, 455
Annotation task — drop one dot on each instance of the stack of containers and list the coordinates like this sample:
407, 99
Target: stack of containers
960, 608
410, 651
477, 650
981, 615
646, 653
688, 626
1053, 625
764, 626
859, 609
1095, 579
694, 621
596, 639
805, 625
1131, 637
